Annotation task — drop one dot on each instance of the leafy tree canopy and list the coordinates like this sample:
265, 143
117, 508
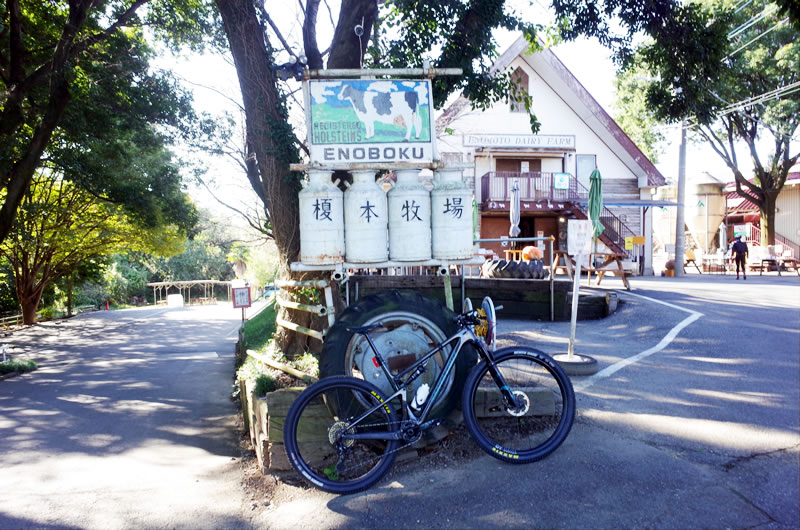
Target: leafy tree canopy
75, 74
59, 227
746, 92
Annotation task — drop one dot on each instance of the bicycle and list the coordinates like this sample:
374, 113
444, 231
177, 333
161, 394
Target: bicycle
342, 435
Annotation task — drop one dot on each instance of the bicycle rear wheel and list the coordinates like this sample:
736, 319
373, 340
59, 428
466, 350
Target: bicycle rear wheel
316, 429
537, 423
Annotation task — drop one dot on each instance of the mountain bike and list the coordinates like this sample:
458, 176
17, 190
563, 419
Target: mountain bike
342, 434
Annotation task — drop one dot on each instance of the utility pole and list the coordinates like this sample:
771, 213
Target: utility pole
679, 217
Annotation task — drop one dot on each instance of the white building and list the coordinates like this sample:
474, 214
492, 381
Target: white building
552, 168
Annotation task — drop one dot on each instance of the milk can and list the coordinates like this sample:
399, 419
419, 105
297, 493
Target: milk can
321, 220
451, 216
409, 218
365, 219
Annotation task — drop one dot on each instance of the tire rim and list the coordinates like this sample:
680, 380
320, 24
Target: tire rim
405, 333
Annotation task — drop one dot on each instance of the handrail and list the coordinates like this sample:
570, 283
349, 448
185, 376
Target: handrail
537, 186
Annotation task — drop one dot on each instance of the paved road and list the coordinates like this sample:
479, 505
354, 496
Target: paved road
128, 423
694, 421
700, 431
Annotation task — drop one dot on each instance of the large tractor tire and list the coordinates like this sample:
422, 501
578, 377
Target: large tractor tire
414, 324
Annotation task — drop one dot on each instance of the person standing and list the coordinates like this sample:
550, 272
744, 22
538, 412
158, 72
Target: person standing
740, 252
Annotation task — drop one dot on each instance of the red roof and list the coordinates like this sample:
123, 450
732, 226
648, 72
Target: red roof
738, 204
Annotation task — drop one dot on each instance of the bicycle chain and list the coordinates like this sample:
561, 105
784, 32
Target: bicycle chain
412, 442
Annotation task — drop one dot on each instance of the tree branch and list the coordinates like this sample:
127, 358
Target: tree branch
275, 29
310, 36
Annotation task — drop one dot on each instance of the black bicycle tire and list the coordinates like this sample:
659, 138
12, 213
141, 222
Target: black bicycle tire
565, 423
293, 451
368, 308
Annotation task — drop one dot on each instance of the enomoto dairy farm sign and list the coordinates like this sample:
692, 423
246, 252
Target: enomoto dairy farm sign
543, 141
370, 121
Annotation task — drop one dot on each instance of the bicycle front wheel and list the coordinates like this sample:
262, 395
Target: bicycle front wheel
318, 429
536, 423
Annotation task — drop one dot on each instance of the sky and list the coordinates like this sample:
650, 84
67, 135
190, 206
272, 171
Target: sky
214, 83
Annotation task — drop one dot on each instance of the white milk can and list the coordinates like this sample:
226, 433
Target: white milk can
321, 220
365, 219
409, 218
451, 216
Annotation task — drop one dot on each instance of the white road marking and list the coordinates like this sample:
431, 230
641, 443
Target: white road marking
668, 338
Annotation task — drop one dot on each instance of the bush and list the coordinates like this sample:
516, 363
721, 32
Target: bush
267, 379
17, 365
91, 294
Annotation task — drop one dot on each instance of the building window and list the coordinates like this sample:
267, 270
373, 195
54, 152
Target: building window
585, 164
520, 79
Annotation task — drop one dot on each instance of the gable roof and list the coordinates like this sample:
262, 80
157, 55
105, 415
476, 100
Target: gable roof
558, 77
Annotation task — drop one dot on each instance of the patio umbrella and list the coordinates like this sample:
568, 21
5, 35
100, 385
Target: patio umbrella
514, 230
596, 203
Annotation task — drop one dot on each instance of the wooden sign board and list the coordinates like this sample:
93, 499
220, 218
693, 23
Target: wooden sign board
241, 297
357, 121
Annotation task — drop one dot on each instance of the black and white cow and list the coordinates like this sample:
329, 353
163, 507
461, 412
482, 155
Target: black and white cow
384, 107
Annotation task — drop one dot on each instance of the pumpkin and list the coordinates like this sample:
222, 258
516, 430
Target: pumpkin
531, 252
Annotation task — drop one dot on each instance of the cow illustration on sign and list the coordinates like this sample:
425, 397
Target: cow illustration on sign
369, 112
385, 107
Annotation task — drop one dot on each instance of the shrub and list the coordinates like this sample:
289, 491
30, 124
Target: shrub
17, 365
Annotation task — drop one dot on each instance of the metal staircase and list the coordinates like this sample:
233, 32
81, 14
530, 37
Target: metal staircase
541, 186
615, 230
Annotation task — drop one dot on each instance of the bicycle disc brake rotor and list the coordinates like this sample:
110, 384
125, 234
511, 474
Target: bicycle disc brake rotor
335, 433
524, 403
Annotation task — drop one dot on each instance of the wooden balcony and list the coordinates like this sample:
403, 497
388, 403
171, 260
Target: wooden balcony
496, 187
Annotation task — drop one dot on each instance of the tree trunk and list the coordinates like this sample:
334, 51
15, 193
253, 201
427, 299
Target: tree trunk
275, 147
70, 284
347, 49
29, 297
768, 218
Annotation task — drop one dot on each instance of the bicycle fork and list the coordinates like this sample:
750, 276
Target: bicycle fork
510, 400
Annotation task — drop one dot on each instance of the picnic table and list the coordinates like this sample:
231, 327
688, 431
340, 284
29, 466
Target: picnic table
600, 263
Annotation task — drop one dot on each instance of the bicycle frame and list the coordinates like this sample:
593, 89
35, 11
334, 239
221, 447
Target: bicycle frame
402, 380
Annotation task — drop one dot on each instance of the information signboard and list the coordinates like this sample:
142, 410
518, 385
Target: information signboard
579, 236
561, 181
241, 297
352, 121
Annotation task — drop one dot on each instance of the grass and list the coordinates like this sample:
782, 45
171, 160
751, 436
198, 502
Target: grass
17, 365
259, 329
258, 335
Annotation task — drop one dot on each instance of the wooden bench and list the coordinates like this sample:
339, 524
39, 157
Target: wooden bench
612, 263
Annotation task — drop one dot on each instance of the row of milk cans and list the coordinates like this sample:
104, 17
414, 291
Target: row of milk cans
367, 225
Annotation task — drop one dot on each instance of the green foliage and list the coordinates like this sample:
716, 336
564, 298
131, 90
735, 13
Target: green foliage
124, 280
8, 293
259, 329
453, 34
267, 379
103, 114
265, 383
709, 62
90, 293
634, 114
262, 265
17, 365
60, 227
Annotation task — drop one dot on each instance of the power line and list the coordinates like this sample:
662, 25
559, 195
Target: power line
737, 50
766, 96
747, 25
